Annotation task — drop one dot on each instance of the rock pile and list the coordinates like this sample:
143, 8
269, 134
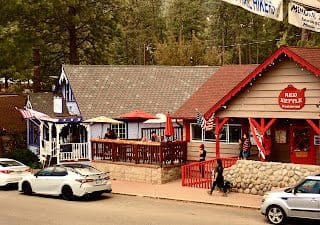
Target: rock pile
255, 177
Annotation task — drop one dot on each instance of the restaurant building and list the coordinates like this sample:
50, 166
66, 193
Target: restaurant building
276, 102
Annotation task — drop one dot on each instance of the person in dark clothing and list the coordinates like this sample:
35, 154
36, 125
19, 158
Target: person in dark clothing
218, 179
202, 153
202, 157
110, 134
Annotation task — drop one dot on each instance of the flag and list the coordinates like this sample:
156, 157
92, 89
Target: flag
199, 119
209, 123
26, 114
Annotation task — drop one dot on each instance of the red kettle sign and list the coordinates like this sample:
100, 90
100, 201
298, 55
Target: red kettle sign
291, 98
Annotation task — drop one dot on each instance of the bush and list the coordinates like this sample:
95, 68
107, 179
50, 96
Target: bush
25, 156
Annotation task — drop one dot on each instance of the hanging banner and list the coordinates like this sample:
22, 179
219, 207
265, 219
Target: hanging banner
303, 18
269, 8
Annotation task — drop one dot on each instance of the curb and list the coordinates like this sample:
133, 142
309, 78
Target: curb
191, 201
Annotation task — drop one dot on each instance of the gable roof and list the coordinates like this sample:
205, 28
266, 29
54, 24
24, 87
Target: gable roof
308, 58
114, 90
43, 102
10, 118
216, 87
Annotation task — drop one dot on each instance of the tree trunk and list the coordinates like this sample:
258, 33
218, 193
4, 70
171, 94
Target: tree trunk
73, 49
6, 83
305, 34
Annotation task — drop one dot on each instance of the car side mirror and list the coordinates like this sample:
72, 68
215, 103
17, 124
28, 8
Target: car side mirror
294, 191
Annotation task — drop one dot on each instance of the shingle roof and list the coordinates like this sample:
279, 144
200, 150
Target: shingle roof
10, 118
43, 102
307, 56
114, 90
216, 87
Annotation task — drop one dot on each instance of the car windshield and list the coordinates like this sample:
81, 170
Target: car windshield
8, 163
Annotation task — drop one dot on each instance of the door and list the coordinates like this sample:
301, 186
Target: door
302, 149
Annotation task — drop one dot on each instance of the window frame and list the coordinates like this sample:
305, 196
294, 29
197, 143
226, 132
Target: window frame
120, 129
225, 126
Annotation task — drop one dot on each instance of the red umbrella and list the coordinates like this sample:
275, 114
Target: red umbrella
138, 115
169, 130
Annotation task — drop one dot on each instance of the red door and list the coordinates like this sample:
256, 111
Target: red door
302, 150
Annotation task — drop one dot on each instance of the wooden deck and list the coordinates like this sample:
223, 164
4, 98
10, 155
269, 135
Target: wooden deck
139, 152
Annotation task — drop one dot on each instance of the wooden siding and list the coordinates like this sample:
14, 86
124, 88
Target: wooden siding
226, 150
261, 99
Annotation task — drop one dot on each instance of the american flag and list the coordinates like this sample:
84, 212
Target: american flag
205, 124
199, 119
209, 124
26, 114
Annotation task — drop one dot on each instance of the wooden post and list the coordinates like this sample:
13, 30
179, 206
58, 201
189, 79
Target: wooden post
314, 126
219, 126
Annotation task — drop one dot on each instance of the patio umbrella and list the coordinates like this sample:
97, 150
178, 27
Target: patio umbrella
137, 115
161, 118
169, 130
102, 120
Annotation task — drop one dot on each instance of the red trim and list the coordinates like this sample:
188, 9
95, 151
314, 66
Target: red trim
259, 144
314, 126
187, 131
219, 126
258, 70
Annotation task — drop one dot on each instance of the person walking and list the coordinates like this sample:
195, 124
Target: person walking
218, 179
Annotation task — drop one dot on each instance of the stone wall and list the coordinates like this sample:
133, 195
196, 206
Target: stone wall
255, 177
139, 172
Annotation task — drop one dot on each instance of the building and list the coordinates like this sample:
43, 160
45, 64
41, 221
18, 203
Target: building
277, 102
58, 127
12, 127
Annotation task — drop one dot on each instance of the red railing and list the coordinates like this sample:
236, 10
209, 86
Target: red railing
199, 174
139, 152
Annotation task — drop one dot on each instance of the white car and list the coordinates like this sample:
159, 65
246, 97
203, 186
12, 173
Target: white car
12, 171
68, 181
301, 201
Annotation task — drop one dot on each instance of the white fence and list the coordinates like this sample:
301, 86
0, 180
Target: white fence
74, 152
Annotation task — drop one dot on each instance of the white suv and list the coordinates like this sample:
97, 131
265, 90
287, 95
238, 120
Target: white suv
301, 201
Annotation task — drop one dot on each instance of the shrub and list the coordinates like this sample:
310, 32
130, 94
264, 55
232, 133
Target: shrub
25, 156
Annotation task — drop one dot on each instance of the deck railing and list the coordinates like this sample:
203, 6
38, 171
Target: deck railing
74, 151
139, 152
200, 174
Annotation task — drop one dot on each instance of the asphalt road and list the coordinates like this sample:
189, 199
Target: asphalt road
111, 209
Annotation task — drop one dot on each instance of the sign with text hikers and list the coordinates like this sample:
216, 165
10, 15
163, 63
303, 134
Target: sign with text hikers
269, 8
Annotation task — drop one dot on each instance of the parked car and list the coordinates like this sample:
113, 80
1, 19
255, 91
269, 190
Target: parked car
301, 201
68, 181
12, 171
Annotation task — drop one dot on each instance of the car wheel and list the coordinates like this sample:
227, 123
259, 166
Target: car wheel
276, 215
67, 193
26, 188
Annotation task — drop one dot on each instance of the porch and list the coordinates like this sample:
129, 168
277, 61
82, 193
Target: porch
139, 152
66, 152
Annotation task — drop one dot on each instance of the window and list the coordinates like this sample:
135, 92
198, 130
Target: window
45, 172
120, 130
230, 133
309, 186
59, 171
34, 134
